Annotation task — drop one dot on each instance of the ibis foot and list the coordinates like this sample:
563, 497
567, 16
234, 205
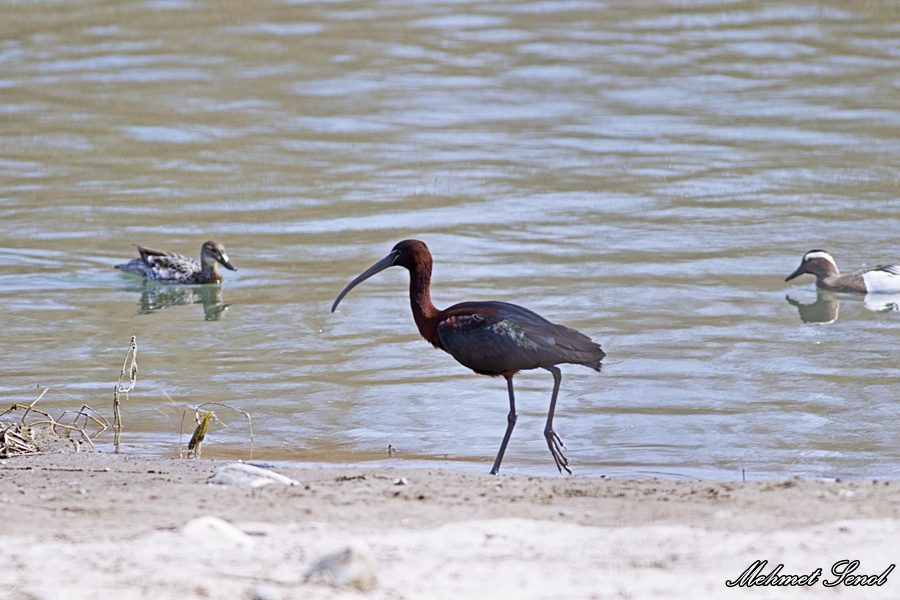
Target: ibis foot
556, 449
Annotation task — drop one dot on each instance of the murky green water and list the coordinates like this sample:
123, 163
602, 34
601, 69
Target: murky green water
645, 172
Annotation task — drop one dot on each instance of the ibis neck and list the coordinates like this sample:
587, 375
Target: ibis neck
424, 312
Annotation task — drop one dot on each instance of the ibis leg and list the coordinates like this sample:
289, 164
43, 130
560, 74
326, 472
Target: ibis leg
553, 441
510, 423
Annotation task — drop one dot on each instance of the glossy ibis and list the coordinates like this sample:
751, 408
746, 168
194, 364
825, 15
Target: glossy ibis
491, 338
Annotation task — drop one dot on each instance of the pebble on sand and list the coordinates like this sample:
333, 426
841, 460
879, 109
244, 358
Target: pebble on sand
214, 531
248, 475
351, 567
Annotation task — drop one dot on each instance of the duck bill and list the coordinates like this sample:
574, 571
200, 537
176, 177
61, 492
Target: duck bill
800, 271
381, 265
227, 263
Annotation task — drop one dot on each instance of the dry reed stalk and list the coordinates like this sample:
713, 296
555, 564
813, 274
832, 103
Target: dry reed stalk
132, 376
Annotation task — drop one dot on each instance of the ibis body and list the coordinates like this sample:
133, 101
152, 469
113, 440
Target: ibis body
491, 338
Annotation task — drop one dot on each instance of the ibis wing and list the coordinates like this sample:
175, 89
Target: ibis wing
496, 337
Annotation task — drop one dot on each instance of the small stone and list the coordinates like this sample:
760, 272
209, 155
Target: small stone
352, 567
259, 592
248, 475
401, 481
215, 532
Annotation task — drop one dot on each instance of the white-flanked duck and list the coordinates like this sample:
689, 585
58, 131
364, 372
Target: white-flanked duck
167, 267
883, 279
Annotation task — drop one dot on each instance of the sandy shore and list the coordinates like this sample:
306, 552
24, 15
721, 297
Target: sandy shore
103, 526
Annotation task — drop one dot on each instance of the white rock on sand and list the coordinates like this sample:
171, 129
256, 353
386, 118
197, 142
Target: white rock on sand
248, 475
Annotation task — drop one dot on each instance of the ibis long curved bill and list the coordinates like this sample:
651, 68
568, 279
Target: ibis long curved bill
381, 265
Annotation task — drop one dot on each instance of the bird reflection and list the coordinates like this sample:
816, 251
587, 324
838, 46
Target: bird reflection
825, 308
156, 296
882, 302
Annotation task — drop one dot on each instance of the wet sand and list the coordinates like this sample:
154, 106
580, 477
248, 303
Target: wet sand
96, 525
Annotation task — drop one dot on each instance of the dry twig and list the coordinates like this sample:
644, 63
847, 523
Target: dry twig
29, 437
132, 376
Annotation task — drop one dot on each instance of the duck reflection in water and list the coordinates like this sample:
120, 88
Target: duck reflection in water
155, 296
825, 308
882, 302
